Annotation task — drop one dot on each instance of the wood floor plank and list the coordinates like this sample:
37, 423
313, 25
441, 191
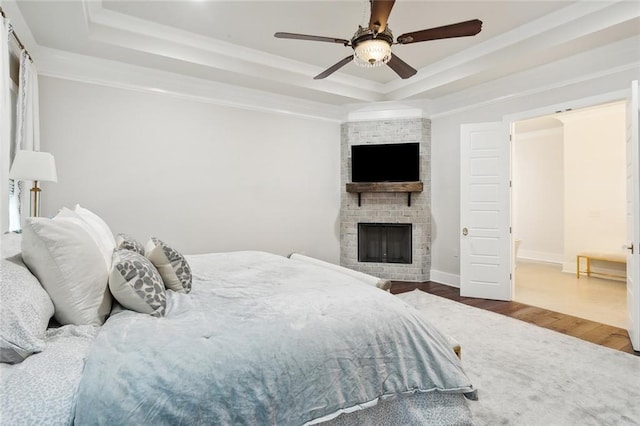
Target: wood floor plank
573, 326
534, 315
509, 308
601, 334
616, 341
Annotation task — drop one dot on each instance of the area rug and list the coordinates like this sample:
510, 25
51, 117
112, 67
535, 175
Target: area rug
528, 375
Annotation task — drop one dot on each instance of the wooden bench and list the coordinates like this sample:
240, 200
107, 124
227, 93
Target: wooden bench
601, 256
453, 343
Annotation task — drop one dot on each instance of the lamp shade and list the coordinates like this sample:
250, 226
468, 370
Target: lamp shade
33, 165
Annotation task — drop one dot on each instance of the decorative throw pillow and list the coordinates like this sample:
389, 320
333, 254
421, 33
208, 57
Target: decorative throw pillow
173, 267
25, 312
124, 241
136, 284
70, 267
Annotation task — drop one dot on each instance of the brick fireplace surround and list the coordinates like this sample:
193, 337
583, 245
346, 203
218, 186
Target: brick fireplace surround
387, 207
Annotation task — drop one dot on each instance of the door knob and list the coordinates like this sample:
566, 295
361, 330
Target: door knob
465, 231
628, 247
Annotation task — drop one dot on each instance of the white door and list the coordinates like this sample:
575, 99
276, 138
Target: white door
633, 225
485, 241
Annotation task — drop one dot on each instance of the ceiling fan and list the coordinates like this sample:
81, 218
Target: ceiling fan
372, 44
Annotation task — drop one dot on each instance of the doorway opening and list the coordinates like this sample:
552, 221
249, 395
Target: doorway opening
569, 196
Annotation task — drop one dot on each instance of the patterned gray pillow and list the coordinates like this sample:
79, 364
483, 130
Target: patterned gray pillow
26, 310
124, 241
136, 283
173, 267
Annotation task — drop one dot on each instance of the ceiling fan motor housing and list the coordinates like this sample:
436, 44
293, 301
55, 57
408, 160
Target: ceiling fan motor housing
364, 34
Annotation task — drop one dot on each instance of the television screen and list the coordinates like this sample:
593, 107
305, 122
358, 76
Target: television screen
385, 162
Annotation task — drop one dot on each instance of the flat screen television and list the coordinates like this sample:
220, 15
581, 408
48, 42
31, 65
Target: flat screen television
399, 162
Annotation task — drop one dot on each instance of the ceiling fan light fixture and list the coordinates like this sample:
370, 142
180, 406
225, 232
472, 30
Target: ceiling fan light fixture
372, 53
372, 42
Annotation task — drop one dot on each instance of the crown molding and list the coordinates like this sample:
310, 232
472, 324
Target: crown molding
387, 110
71, 66
566, 24
110, 27
618, 74
87, 69
619, 61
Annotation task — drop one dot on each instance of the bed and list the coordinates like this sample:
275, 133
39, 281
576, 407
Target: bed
258, 339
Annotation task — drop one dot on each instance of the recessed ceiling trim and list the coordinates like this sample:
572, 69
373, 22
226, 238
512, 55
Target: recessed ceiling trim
568, 23
114, 28
86, 69
564, 25
445, 108
604, 65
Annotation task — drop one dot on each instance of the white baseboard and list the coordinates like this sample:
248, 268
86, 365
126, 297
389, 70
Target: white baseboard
541, 256
445, 278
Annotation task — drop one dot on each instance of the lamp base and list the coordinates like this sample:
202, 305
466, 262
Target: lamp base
35, 199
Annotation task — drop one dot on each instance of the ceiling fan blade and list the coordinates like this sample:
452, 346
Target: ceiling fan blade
312, 38
380, 10
334, 68
401, 68
461, 29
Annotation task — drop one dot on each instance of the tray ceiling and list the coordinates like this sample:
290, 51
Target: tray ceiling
232, 41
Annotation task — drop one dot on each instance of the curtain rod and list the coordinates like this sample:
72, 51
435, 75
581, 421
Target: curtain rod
15, 36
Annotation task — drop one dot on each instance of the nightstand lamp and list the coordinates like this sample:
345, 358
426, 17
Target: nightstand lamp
34, 166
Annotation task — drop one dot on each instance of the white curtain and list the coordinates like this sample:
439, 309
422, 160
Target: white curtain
27, 133
5, 123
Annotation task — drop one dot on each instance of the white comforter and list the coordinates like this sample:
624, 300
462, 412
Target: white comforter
263, 340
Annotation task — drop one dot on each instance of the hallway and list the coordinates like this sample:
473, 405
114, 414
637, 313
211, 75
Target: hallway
546, 286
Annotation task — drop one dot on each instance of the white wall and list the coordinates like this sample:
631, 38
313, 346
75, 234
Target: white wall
595, 181
538, 194
202, 177
445, 154
510, 96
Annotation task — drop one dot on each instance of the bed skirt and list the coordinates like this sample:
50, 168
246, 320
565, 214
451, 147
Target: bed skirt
430, 408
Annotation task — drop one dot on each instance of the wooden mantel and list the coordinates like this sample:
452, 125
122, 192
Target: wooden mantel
408, 187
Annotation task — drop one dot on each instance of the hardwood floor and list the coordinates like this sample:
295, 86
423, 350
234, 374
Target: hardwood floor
600, 334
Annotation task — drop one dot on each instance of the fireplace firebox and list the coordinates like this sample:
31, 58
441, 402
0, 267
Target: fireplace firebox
385, 242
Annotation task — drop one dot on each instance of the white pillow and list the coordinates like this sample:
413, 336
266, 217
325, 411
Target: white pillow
136, 284
70, 267
105, 249
101, 229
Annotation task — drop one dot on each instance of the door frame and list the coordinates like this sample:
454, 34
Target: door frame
510, 119
633, 230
